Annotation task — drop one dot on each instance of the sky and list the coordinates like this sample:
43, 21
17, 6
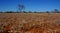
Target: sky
30, 5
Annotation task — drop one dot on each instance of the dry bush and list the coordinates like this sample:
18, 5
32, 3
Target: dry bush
30, 22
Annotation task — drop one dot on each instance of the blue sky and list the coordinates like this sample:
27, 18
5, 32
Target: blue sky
30, 5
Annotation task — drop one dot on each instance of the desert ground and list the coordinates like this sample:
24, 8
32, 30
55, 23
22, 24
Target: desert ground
29, 22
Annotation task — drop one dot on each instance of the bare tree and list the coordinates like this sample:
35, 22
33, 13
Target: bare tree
21, 8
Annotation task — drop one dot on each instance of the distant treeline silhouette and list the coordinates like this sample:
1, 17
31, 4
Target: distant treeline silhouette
54, 11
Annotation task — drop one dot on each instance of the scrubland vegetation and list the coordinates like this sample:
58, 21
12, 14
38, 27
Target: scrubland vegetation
30, 22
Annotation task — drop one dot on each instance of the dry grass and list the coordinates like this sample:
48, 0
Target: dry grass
30, 22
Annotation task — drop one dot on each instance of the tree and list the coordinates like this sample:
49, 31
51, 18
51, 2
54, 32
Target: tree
9, 12
21, 7
47, 11
35, 12
24, 12
56, 10
30, 12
